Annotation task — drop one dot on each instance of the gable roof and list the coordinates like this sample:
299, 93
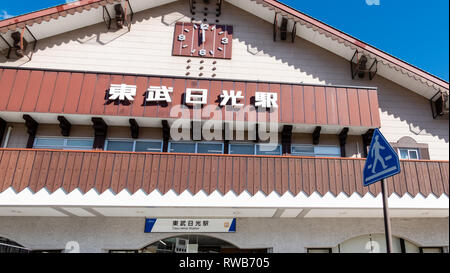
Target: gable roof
83, 13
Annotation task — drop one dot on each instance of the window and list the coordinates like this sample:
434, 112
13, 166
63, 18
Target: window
196, 147
210, 148
242, 149
315, 150
431, 250
134, 145
268, 149
319, 250
63, 143
255, 149
408, 153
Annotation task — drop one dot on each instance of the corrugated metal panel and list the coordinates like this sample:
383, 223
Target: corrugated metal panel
87, 93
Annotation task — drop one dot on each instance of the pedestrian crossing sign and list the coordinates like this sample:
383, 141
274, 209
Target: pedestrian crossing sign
382, 161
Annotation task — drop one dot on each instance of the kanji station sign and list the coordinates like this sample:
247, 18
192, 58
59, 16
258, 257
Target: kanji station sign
189, 225
194, 96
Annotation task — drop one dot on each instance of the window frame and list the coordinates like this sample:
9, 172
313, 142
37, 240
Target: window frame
64, 143
417, 150
196, 146
314, 152
134, 144
254, 148
431, 247
328, 249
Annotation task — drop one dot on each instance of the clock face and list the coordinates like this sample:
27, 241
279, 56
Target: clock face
202, 40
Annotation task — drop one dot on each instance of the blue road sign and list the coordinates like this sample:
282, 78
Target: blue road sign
382, 161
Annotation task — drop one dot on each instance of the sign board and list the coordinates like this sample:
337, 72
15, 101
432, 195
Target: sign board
189, 225
382, 161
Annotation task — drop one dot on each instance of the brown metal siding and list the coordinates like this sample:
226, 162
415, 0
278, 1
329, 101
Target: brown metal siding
87, 93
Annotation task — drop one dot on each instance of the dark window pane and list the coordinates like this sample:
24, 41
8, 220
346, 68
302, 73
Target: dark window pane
120, 145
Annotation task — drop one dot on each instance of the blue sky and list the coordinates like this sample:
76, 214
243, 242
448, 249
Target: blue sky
415, 31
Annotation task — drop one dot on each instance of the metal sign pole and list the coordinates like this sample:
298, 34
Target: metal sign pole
387, 219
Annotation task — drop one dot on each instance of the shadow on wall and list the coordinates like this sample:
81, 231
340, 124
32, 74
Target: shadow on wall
306, 59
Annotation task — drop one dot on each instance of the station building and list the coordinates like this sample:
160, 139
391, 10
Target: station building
211, 126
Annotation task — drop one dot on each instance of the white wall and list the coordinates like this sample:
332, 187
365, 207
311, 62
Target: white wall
147, 50
99, 234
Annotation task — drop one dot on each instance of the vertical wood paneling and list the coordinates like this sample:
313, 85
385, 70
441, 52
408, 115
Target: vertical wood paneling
374, 108
47, 173
318, 176
321, 105
87, 94
262, 114
125, 168
199, 174
242, 174
36, 169
6, 83
292, 174
364, 107
59, 94
139, 175
257, 171
69, 168
332, 172
435, 178
305, 177
310, 106
116, 171
207, 174
264, 175
445, 178
250, 175
353, 105
298, 104
73, 93
151, 108
221, 177
76, 172
168, 184
32, 92
271, 178
342, 101
286, 104
162, 173
100, 94
285, 175
20, 166
298, 176
46, 92
236, 174
275, 113
84, 173
112, 107
154, 174
18, 91
278, 181
164, 108
137, 108
146, 179
107, 175
192, 174
125, 106
332, 106
228, 174
214, 175
60, 170
27, 170
100, 172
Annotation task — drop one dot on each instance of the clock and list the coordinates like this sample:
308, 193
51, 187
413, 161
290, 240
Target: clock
203, 40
